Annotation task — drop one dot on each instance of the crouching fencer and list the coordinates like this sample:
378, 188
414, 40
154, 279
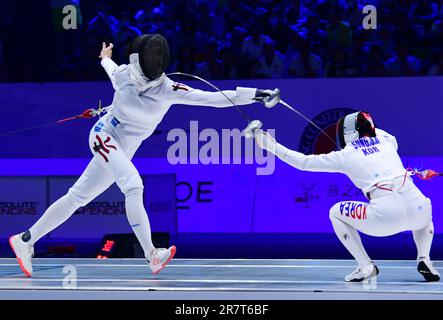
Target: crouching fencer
368, 156
143, 95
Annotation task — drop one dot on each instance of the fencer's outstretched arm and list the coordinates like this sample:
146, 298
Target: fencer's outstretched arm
195, 97
241, 96
331, 162
107, 63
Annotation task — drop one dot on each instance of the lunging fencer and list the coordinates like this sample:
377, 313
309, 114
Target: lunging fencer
368, 156
143, 95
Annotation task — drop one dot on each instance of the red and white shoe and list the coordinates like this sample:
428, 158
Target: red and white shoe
160, 258
24, 253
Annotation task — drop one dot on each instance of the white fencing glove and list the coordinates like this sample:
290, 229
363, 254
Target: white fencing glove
269, 98
254, 125
265, 140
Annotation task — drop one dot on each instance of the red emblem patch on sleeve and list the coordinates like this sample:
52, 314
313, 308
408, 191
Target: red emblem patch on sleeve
179, 86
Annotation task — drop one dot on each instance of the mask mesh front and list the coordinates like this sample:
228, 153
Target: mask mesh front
154, 56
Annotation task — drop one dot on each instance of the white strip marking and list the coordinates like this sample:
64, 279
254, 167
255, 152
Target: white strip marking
210, 266
25, 280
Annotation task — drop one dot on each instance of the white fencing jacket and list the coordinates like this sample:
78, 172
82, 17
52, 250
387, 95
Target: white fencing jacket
366, 161
140, 104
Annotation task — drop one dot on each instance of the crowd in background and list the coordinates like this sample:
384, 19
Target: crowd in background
233, 39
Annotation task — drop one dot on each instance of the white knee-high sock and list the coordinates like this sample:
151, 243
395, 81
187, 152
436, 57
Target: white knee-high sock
138, 218
351, 240
423, 240
54, 216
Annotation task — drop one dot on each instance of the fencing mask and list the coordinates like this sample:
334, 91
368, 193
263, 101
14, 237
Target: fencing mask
354, 126
153, 54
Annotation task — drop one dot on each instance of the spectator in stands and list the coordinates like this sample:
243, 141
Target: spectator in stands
101, 28
292, 14
228, 57
436, 36
439, 4
324, 7
338, 66
357, 56
339, 32
124, 35
403, 64
422, 15
253, 45
311, 29
271, 63
375, 65
437, 69
404, 31
184, 35
386, 41
294, 40
185, 60
142, 17
354, 14
104, 25
212, 67
306, 64
205, 19
274, 20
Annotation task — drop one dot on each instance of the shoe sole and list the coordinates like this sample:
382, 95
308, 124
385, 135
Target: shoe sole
173, 251
20, 263
372, 275
423, 269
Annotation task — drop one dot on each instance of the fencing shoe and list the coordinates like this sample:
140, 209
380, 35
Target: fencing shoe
160, 258
23, 251
362, 273
427, 270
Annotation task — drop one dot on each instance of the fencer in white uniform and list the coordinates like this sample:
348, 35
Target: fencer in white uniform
143, 95
369, 157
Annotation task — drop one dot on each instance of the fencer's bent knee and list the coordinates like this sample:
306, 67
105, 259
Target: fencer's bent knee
134, 191
133, 184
